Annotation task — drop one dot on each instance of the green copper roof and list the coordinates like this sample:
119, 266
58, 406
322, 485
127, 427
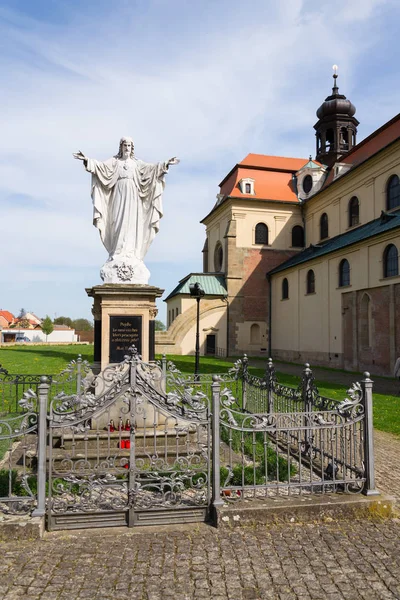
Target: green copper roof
311, 165
213, 284
385, 222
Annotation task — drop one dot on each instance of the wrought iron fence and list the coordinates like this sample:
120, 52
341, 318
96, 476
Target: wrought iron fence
13, 386
18, 452
280, 441
251, 436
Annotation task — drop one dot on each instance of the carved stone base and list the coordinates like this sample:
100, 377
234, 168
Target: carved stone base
123, 316
125, 270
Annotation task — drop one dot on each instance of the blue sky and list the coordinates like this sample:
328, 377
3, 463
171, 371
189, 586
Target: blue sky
206, 81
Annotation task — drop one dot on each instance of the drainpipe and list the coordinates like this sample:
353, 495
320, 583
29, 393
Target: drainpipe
269, 316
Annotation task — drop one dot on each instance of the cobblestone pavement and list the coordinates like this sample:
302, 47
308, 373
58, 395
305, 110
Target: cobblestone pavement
387, 463
331, 561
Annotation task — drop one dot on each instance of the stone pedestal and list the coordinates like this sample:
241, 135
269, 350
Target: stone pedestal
123, 315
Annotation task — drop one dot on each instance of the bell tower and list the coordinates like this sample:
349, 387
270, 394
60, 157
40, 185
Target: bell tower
336, 128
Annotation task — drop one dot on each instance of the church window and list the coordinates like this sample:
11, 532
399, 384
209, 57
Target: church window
218, 257
393, 192
261, 234
390, 261
247, 186
298, 237
255, 336
344, 273
310, 282
285, 289
323, 226
354, 211
307, 184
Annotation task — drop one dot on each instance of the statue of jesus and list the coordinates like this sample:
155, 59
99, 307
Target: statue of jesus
127, 208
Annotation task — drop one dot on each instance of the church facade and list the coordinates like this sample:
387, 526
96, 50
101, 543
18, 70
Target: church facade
305, 254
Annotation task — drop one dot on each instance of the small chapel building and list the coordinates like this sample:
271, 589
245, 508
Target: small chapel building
301, 258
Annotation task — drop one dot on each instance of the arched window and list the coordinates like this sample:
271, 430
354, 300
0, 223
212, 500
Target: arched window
310, 282
323, 226
393, 192
255, 334
354, 211
261, 234
298, 237
285, 289
218, 257
365, 321
390, 261
344, 273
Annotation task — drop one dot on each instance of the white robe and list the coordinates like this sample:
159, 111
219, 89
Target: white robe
127, 204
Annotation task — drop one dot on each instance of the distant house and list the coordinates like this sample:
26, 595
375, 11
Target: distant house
6, 318
33, 319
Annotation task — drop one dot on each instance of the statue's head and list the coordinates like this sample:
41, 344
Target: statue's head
126, 147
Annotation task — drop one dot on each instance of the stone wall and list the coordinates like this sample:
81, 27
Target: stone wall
371, 331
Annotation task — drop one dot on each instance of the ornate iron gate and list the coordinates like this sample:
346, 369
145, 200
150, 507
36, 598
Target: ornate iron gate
123, 451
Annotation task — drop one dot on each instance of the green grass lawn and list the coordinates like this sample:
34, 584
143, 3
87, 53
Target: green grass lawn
386, 407
52, 359
42, 360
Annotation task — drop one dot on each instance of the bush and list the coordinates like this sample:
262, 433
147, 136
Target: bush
16, 484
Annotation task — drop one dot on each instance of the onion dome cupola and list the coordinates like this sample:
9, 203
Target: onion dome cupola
336, 128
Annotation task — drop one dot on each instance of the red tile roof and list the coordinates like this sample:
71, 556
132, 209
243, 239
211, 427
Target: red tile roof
7, 315
281, 163
268, 185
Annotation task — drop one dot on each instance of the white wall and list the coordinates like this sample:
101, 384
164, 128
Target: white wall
37, 335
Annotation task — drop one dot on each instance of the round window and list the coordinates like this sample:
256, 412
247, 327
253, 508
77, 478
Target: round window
307, 184
218, 257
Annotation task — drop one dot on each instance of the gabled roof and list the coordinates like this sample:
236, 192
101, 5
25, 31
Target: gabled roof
7, 315
311, 164
268, 185
386, 222
273, 179
213, 284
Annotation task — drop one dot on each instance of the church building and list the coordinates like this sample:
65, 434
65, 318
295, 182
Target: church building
301, 255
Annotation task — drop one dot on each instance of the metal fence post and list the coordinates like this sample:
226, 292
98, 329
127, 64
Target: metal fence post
79, 374
307, 390
369, 488
216, 500
245, 372
164, 373
271, 378
43, 391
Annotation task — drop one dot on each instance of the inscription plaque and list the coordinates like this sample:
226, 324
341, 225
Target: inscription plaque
124, 331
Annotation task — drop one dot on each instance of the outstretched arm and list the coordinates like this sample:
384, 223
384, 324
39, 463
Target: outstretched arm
80, 156
173, 161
